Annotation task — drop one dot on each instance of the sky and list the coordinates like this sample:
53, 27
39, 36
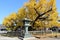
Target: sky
9, 6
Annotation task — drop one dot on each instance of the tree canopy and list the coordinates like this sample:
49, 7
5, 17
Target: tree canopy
43, 13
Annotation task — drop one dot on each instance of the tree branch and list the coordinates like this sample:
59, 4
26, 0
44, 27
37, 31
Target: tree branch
39, 15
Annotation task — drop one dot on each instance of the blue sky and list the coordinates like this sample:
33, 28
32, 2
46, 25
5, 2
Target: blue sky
9, 6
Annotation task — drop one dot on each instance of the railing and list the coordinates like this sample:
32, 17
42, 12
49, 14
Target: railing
21, 33
16, 33
40, 32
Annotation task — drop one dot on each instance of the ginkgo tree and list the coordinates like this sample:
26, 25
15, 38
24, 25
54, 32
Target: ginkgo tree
10, 21
39, 11
42, 8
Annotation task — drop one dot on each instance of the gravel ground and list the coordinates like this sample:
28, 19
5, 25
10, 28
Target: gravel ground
8, 38
49, 39
16, 38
